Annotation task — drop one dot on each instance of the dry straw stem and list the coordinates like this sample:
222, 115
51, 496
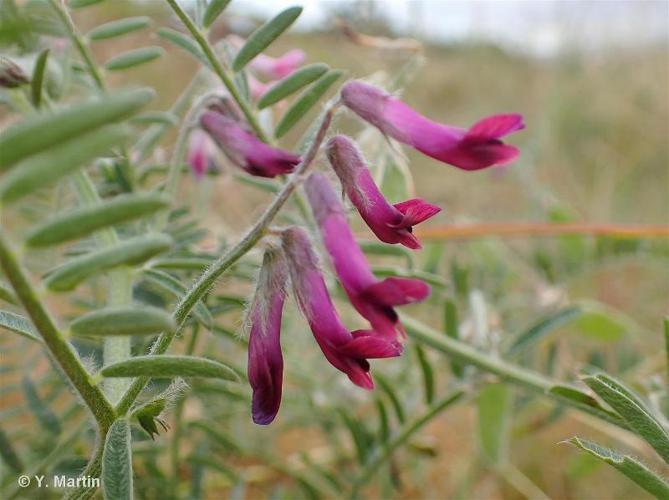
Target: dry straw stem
518, 229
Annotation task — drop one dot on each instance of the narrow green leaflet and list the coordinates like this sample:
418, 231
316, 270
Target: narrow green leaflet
156, 117
545, 326
630, 467
37, 81
170, 284
49, 167
8, 453
134, 58
41, 132
185, 43
395, 402
131, 251
376, 248
452, 329
292, 83
305, 102
117, 463
85, 220
578, 398
47, 419
427, 372
630, 407
166, 366
117, 28
213, 10
7, 294
18, 324
261, 38
132, 320
495, 402
78, 4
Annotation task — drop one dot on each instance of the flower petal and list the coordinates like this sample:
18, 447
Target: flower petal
397, 291
415, 211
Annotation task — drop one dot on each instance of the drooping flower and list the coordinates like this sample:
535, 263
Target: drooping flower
475, 148
374, 299
390, 223
343, 349
244, 149
200, 153
265, 361
276, 68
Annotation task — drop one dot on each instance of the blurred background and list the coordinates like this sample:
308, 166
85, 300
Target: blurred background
592, 80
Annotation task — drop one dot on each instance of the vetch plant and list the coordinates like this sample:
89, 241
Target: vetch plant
106, 270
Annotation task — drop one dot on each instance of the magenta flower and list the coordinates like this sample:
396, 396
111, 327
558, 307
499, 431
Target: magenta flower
343, 349
200, 153
372, 298
473, 149
275, 68
265, 361
390, 223
244, 149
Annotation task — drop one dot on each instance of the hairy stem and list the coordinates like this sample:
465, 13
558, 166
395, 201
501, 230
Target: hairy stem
248, 241
218, 68
61, 351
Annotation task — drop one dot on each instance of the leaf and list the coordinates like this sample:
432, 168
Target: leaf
131, 251
305, 102
579, 398
46, 418
185, 43
362, 439
630, 467
545, 326
375, 248
123, 321
427, 372
452, 329
119, 27
41, 132
495, 403
384, 421
633, 411
261, 38
87, 219
396, 182
134, 58
183, 263
47, 168
213, 10
78, 4
173, 286
117, 463
292, 83
19, 324
386, 387
167, 366
602, 323
156, 117
37, 81
7, 294
8, 453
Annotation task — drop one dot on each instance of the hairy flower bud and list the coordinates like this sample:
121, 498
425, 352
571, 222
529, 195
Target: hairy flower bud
390, 223
11, 74
469, 149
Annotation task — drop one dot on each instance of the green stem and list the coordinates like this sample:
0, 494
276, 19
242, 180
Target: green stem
78, 41
216, 65
59, 348
209, 277
408, 429
518, 375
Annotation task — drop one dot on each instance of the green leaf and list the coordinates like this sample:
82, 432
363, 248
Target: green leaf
37, 81
46, 418
123, 321
495, 403
384, 421
452, 329
87, 219
396, 183
173, 286
427, 372
185, 43
375, 248
305, 102
78, 4
8, 453
117, 463
212, 11
18, 324
602, 323
41, 132
119, 27
579, 398
131, 251
261, 38
630, 467
292, 83
362, 439
630, 407
156, 117
134, 58
7, 294
183, 263
545, 326
49, 167
166, 366
388, 389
